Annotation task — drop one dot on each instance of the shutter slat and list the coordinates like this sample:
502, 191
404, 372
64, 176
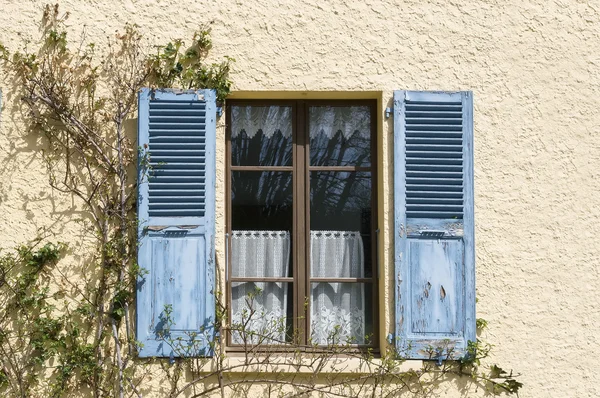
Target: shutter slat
425, 188
433, 154
434, 201
178, 112
433, 161
435, 113
172, 136
175, 173
433, 140
434, 127
433, 174
173, 185
180, 192
434, 167
174, 199
198, 166
432, 146
175, 127
434, 181
177, 140
431, 107
415, 193
177, 152
440, 207
431, 214
176, 205
437, 134
173, 159
177, 117
185, 105
176, 145
157, 180
176, 213
429, 120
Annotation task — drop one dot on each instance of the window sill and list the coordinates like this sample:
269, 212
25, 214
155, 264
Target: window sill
237, 363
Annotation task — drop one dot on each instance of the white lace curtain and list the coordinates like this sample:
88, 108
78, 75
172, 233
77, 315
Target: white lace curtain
260, 254
337, 309
325, 120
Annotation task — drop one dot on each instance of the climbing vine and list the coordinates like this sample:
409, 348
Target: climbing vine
70, 331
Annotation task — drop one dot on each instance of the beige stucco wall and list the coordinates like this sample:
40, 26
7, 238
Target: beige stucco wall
533, 68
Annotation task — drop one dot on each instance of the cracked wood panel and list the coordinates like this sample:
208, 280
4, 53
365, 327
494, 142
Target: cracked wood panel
178, 281
436, 286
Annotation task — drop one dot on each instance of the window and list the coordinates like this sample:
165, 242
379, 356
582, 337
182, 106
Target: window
302, 221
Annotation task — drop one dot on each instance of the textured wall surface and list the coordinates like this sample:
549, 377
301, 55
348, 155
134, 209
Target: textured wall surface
534, 69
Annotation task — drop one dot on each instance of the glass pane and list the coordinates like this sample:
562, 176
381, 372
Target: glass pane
261, 135
261, 203
340, 136
340, 224
341, 313
261, 313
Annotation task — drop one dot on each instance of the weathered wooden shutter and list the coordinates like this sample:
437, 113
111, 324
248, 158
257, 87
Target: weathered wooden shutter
433, 206
176, 199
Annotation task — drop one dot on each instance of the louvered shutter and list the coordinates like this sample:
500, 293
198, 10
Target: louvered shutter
176, 200
433, 206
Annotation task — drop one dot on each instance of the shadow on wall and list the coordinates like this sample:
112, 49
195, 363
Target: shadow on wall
292, 383
25, 158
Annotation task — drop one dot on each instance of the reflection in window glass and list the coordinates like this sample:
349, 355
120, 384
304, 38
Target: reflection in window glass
261, 205
340, 224
261, 136
340, 136
340, 201
261, 200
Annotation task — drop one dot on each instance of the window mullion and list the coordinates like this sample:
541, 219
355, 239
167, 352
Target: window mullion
301, 226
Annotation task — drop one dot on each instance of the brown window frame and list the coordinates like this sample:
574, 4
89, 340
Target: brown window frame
301, 170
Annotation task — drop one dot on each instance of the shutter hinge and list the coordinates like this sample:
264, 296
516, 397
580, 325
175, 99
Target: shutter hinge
388, 112
219, 111
439, 357
391, 338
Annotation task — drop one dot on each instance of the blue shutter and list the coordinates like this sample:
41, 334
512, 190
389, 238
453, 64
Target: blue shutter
434, 228
176, 200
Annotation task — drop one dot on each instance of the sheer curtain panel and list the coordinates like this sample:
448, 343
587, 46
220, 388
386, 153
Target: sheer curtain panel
338, 309
261, 306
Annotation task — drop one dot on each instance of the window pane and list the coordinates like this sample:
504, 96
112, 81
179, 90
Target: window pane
261, 136
340, 224
341, 313
261, 200
261, 204
340, 136
261, 312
